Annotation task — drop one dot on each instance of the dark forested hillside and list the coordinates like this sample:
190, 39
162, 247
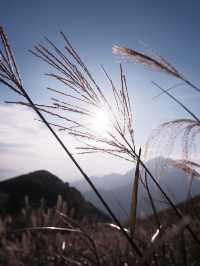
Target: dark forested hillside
42, 185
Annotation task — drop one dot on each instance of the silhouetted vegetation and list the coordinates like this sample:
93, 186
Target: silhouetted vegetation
169, 238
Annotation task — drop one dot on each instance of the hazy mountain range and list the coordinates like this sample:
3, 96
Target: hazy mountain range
116, 189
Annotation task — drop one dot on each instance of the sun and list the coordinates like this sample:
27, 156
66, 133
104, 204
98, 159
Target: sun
100, 122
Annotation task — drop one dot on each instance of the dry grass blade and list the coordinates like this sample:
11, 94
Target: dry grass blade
168, 236
9, 74
134, 197
152, 201
177, 101
183, 132
71, 261
48, 228
71, 71
188, 167
156, 62
39, 108
170, 88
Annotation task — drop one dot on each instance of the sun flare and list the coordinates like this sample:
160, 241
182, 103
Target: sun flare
100, 122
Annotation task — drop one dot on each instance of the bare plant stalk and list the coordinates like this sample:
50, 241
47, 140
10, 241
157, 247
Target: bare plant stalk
178, 102
134, 197
157, 222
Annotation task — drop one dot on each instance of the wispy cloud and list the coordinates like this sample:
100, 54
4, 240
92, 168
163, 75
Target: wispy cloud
8, 146
26, 145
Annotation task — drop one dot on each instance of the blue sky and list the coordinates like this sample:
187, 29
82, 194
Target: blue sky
171, 28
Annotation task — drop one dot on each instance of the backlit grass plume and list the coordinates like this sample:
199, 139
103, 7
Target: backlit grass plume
153, 61
81, 106
181, 135
90, 102
9, 76
184, 131
102, 124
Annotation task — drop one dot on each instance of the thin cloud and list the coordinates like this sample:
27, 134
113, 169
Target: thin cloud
7, 172
10, 146
26, 145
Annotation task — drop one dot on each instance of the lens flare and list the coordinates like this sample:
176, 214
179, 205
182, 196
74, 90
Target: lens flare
100, 122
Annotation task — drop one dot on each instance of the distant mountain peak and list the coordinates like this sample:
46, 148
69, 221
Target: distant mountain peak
159, 160
116, 190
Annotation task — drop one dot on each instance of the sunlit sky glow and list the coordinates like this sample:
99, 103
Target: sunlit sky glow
171, 28
100, 122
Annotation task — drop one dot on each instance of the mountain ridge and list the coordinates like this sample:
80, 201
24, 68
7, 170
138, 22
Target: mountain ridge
39, 185
172, 179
